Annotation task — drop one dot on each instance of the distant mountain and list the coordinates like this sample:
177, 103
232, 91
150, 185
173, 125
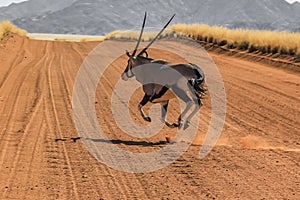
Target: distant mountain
32, 8
296, 5
98, 17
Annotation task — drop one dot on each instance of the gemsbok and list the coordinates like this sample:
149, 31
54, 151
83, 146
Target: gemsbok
162, 80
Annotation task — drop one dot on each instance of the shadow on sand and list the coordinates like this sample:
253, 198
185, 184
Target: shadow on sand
128, 142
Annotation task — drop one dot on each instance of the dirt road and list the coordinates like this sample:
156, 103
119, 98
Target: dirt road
257, 156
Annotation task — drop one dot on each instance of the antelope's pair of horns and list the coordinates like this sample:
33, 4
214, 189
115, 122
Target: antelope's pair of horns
140, 37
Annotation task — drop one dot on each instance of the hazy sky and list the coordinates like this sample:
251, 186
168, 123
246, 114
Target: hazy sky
292, 1
7, 2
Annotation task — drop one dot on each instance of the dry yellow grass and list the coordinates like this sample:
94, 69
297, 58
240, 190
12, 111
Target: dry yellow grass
79, 39
252, 40
270, 42
7, 28
65, 37
134, 35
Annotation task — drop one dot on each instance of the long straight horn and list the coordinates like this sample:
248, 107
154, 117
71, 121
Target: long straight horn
145, 49
140, 37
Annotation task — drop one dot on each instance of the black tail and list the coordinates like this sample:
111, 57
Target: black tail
197, 83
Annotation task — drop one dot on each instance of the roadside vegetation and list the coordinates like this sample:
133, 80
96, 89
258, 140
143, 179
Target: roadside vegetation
134, 35
265, 42
7, 28
252, 41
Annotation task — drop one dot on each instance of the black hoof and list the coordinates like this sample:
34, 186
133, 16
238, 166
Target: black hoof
179, 125
175, 125
186, 125
171, 125
148, 119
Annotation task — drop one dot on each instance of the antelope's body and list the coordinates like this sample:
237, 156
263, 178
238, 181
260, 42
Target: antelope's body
163, 81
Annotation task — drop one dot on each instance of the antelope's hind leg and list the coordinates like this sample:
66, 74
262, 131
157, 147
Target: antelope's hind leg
188, 101
198, 104
164, 109
144, 101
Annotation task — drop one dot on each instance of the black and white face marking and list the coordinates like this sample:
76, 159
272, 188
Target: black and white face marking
132, 58
128, 71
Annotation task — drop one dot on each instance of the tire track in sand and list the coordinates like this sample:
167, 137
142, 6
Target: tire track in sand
51, 84
14, 95
120, 184
17, 162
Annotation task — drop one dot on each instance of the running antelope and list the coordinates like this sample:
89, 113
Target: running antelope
158, 77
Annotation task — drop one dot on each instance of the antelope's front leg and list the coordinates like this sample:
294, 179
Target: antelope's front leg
164, 109
144, 101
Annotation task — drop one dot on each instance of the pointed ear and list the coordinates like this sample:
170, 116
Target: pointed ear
128, 54
146, 54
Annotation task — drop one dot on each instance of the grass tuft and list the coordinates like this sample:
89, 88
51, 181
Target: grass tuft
134, 35
7, 28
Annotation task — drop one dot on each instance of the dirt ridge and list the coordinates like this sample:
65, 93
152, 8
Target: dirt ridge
280, 61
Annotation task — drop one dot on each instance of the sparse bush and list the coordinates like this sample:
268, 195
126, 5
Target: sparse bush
252, 48
222, 43
275, 50
283, 51
292, 52
7, 28
243, 45
210, 39
199, 37
263, 50
269, 49
232, 45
